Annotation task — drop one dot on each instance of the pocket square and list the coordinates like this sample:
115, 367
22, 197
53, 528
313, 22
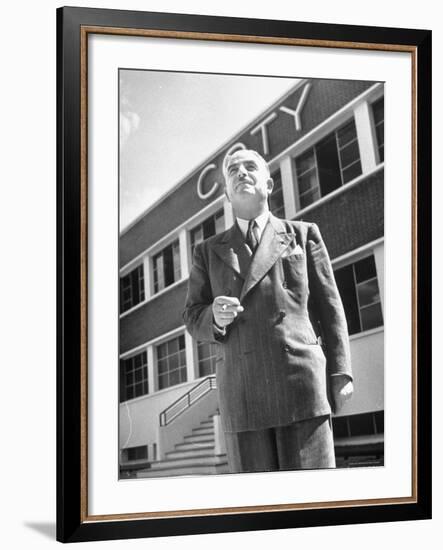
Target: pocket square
296, 251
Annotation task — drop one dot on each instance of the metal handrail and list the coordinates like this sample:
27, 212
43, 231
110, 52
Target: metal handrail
180, 405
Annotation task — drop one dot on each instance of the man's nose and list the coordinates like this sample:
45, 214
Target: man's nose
242, 172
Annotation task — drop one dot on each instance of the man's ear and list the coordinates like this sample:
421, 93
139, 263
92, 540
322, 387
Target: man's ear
270, 185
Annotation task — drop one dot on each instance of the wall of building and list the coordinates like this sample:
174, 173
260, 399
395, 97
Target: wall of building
351, 219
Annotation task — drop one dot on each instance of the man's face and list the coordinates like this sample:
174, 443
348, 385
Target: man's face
247, 180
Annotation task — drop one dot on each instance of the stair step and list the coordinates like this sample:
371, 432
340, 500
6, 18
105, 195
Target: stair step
203, 431
189, 453
199, 439
196, 446
221, 468
203, 460
206, 423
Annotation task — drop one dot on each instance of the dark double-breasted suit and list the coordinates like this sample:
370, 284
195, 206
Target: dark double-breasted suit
271, 370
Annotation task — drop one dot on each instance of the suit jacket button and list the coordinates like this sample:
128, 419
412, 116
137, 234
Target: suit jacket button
227, 291
282, 314
287, 348
285, 284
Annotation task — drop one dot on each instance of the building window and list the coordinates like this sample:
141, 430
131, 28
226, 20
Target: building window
134, 376
166, 266
135, 453
276, 203
132, 289
332, 162
211, 226
378, 113
206, 358
360, 294
171, 362
358, 424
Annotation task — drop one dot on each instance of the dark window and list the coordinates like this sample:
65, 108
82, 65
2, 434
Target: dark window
378, 112
212, 225
166, 266
171, 362
358, 286
132, 289
276, 202
133, 376
332, 162
136, 453
206, 358
358, 424
341, 426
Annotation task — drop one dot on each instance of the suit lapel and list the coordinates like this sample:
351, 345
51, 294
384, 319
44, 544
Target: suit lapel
234, 252
273, 243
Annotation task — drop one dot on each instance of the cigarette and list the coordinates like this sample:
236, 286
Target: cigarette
224, 307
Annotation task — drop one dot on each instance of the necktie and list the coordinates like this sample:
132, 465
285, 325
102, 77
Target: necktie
252, 235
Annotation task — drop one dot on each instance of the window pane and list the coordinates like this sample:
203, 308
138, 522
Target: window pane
174, 378
161, 350
380, 133
346, 133
365, 269
378, 109
184, 375
162, 381
345, 281
168, 266
349, 154
162, 366
181, 341
307, 182
340, 427
132, 289
380, 421
368, 293
209, 227
352, 172
305, 162
371, 316
173, 362
176, 261
139, 389
328, 165
361, 424
138, 375
172, 346
196, 235
309, 198
381, 153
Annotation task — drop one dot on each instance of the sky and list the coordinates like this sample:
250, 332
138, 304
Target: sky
172, 121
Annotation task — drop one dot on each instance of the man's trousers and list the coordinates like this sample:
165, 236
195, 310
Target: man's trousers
307, 444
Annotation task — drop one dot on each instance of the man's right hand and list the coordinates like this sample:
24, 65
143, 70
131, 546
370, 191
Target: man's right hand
225, 309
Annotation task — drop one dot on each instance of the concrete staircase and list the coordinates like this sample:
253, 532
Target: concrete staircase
195, 455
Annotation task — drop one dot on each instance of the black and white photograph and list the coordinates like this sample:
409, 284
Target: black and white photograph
251, 274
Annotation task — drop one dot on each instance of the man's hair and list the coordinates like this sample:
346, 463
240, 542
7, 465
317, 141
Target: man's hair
254, 153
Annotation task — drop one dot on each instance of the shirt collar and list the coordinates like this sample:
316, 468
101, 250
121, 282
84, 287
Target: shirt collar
261, 220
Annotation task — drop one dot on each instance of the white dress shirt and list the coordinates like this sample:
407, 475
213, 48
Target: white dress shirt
261, 220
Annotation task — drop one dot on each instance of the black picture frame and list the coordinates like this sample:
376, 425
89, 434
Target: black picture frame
73, 522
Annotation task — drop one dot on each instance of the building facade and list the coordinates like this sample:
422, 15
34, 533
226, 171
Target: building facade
324, 142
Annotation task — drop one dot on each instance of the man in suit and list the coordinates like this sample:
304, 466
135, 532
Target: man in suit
264, 291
